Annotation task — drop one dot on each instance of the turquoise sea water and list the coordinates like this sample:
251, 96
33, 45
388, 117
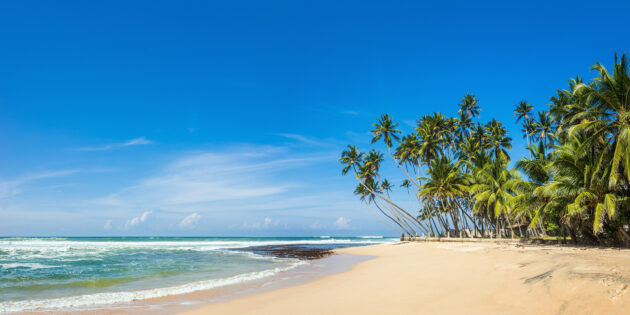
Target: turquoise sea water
49, 273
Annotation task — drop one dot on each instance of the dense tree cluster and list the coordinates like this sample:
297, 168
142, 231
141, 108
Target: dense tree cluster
573, 183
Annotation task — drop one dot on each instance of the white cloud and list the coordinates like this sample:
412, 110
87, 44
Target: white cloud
108, 225
303, 139
14, 187
265, 224
206, 178
316, 226
128, 143
137, 220
190, 221
342, 223
268, 222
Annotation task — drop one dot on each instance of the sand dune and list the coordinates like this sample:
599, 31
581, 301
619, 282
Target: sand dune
450, 278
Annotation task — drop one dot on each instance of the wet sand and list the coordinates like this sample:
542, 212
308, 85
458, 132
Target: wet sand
456, 278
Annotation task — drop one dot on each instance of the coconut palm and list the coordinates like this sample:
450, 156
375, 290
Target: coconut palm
608, 114
468, 105
577, 173
579, 189
494, 188
385, 128
497, 140
350, 158
524, 111
445, 184
544, 129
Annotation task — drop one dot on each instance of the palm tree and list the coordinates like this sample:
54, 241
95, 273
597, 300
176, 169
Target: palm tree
544, 129
350, 158
431, 130
464, 125
494, 188
524, 111
468, 105
445, 184
385, 129
529, 203
608, 114
577, 175
497, 140
579, 189
408, 152
368, 193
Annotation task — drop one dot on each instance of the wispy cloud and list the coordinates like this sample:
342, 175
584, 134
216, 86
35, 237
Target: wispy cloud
316, 226
190, 221
138, 220
304, 139
15, 186
342, 223
108, 225
267, 223
208, 177
128, 143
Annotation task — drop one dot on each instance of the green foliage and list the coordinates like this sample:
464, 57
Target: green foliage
576, 180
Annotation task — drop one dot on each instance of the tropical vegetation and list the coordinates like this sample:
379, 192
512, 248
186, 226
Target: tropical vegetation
462, 182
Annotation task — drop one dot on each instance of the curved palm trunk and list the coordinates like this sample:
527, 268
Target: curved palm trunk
382, 221
470, 218
393, 220
400, 219
422, 227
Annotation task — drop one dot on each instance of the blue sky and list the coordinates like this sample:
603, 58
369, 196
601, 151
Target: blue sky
226, 117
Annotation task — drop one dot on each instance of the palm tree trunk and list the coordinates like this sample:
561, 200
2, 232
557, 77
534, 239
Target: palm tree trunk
469, 217
394, 220
382, 221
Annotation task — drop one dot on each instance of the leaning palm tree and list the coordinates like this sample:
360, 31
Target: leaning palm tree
350, 158
385, 128
368, 194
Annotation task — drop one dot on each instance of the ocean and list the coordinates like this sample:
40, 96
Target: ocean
66, 273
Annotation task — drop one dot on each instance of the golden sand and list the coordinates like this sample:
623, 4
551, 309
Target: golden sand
457, 278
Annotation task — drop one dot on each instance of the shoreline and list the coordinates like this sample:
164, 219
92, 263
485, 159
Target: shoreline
310, 270
212, 265
456, 277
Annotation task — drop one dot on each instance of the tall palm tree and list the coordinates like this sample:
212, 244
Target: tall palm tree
464, 125
544, 129
468, 105
497, 140
351, 158
408, 152
523, 110
385, 128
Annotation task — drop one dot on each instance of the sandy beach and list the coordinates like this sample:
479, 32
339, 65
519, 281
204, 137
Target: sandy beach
449, 278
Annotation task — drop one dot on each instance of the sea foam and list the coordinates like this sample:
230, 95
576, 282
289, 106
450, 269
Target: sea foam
126, 297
